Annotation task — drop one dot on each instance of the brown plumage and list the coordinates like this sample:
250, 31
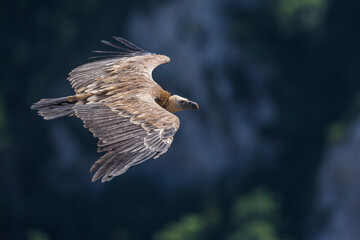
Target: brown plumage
120, 103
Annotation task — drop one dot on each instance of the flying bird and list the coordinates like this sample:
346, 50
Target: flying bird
119, 102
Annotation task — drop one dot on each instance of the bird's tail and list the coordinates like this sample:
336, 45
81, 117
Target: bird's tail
51, 108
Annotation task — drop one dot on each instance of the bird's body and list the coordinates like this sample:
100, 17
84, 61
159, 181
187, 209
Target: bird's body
122, 105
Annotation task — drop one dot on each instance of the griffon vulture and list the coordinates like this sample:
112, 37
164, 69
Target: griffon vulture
120, 103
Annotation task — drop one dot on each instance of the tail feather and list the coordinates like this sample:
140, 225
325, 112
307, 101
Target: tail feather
52, 108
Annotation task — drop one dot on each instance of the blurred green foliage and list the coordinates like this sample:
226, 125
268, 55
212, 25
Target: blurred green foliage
37, 235
303, 15
189, 227
255, 231
259, 205
254, 216
337, 131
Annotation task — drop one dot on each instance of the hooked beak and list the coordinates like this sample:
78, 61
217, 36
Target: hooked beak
194, 105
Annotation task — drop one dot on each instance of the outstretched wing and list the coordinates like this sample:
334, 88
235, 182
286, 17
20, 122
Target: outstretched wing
128, 63
120, 108
130, 130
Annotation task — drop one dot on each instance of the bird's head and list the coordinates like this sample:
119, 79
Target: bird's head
177, 103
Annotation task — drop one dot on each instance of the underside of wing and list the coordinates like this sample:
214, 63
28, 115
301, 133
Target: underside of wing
126, 62
129, 134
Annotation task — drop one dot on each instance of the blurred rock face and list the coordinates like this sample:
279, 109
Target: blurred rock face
224, 133
337, 208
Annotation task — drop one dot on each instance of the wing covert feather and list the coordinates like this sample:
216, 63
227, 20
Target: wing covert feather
120, 72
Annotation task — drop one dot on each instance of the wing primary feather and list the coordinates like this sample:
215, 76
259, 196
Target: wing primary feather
107, 56
127, 43
103, 168
114, 46
149, 155
110, 52
121, 168
99, 162
120, 160
129, 146
120, 163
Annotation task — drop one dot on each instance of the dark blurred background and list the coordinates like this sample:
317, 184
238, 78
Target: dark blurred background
272, 154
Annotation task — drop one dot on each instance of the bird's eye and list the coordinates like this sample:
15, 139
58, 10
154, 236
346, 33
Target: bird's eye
182, 101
